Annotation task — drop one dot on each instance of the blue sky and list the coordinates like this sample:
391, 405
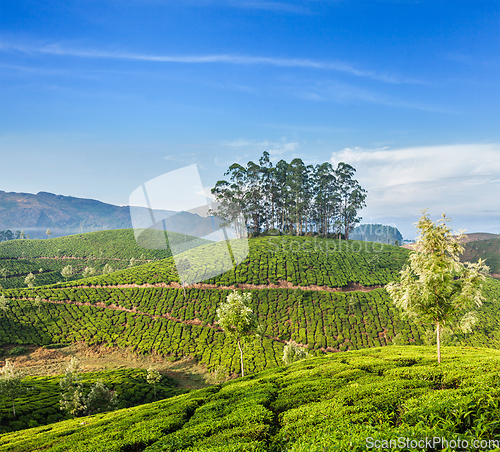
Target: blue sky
98, 97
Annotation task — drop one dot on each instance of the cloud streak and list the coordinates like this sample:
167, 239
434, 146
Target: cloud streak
247, 60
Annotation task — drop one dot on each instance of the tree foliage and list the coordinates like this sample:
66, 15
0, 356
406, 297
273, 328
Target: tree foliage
100, 399
11, 384
237, 319
153, 377
67, 272
291, 198
436, 287
30, 280
293, 352
72, 397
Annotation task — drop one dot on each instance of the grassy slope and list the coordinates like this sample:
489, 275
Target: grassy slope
313, 405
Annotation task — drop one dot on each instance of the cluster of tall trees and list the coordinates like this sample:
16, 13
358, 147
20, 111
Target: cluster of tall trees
291, 198
9, 235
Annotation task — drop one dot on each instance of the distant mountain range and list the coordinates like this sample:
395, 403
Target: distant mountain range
65, 215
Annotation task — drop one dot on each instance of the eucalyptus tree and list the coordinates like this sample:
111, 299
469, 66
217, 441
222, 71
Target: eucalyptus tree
300, 188
254, 196
291, 197
284, 198
231, 196
269, 191
352, 197
326, 197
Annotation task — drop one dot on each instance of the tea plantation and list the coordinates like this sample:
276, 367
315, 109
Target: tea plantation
344, 402
326, 295
40, 404
162, 320
46, 258
300, 261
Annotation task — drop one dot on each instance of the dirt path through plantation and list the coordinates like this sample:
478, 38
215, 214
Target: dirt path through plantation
351, 287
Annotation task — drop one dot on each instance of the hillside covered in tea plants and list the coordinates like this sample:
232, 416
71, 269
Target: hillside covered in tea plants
39, 405
348, 400
45, 259
326, 295
281, 260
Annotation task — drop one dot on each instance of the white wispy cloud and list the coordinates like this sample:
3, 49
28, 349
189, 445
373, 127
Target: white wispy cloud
344, 93
462, 180
59, 50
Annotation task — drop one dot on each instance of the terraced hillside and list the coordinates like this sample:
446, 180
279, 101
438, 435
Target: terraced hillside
345, 402
283, 262
325, 295
46, 258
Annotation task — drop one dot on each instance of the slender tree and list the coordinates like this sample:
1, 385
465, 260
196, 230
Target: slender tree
11, 384
153, 378
30, 280
107, 269
37, 302
436, 287
67, 272
88, 272
100, 399
352, 197
293, 352
49, 233
4, 304
237, 319
183, 267
72, 398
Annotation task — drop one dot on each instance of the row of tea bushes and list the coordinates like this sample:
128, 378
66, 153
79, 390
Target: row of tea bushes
338, 402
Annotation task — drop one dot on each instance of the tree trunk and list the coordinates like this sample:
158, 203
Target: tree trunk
241, 359
14, 407
438, 341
